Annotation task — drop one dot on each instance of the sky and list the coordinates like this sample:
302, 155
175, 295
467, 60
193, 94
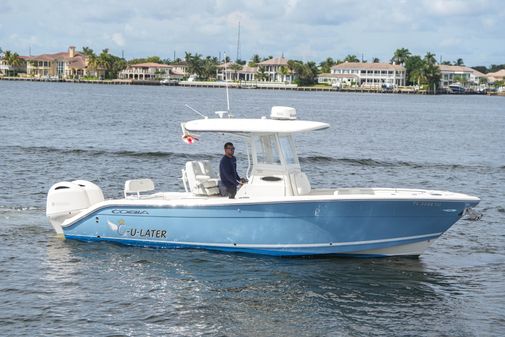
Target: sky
298, 29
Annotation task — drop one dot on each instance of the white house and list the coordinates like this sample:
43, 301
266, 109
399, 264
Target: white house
145, 71
496, 76
276, 70
179, 69
452, 74
372, 74
245, 73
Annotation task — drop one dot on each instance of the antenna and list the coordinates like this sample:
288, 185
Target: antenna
198, 112
226, 85
238, 42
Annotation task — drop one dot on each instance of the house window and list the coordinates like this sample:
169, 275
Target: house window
60, 66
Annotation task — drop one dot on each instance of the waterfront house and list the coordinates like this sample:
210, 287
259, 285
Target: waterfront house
230, 72
62, 65
277, 70
146, 71
496, 76
10, 70
459, 74
369, 74
179, 69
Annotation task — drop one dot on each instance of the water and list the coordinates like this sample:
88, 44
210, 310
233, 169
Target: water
53, 131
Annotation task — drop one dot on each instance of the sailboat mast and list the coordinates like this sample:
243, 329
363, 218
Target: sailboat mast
238, 43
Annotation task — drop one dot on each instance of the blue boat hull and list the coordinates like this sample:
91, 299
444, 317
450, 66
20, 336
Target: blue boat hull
353, 227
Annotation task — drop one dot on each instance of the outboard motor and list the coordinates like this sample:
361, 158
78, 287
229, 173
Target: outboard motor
66, 199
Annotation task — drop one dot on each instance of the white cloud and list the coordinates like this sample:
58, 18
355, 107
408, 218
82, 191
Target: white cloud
301, 29
118, 39
445, 7
451, 42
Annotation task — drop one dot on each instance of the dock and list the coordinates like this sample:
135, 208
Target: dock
245, 85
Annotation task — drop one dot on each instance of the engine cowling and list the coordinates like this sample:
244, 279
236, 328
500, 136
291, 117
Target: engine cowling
65, 199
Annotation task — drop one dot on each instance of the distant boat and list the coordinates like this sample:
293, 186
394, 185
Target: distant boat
457, 88
168, 81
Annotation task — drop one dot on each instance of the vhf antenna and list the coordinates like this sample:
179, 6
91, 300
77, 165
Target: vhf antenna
226, 85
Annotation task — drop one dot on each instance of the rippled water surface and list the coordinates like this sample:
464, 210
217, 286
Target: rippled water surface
53, 131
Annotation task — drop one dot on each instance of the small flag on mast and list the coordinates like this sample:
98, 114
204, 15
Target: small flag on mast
189, 139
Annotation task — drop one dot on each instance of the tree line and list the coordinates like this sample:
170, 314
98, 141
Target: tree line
419, 70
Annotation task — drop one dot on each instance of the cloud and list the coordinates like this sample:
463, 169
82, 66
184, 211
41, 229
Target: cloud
118, 39
449, 8
301, 29
451, 42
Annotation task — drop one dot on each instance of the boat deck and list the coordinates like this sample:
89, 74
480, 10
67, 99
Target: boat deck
315, 194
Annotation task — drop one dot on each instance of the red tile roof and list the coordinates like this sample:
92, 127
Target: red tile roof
53, 57
150, 65
499, 73
276, 61
459, 69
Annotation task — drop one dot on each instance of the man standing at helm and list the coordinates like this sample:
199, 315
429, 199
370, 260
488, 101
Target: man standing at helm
228, 172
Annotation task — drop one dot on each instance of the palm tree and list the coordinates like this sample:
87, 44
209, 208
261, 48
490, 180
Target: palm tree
413, 63
261, 74
400, 56
460, 79
417, 76
87, 51
429, 58
13, 60
209, 68
284, 72
111, 64
459, 62
351, 58
431, 71
326, 65
195, 63
236, 68
91, 60
254, 60
105, 62
306, 73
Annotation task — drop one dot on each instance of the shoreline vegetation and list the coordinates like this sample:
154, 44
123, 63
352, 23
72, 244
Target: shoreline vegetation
420, 75
248, 85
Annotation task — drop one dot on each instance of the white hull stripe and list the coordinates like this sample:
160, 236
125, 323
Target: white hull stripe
277, 246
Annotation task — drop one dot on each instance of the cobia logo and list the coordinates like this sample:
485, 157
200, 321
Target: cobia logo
129, 211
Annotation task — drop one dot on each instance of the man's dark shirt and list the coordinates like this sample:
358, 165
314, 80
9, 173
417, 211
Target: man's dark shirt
228, 171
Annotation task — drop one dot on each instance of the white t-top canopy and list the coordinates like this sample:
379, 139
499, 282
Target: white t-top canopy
243, 125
